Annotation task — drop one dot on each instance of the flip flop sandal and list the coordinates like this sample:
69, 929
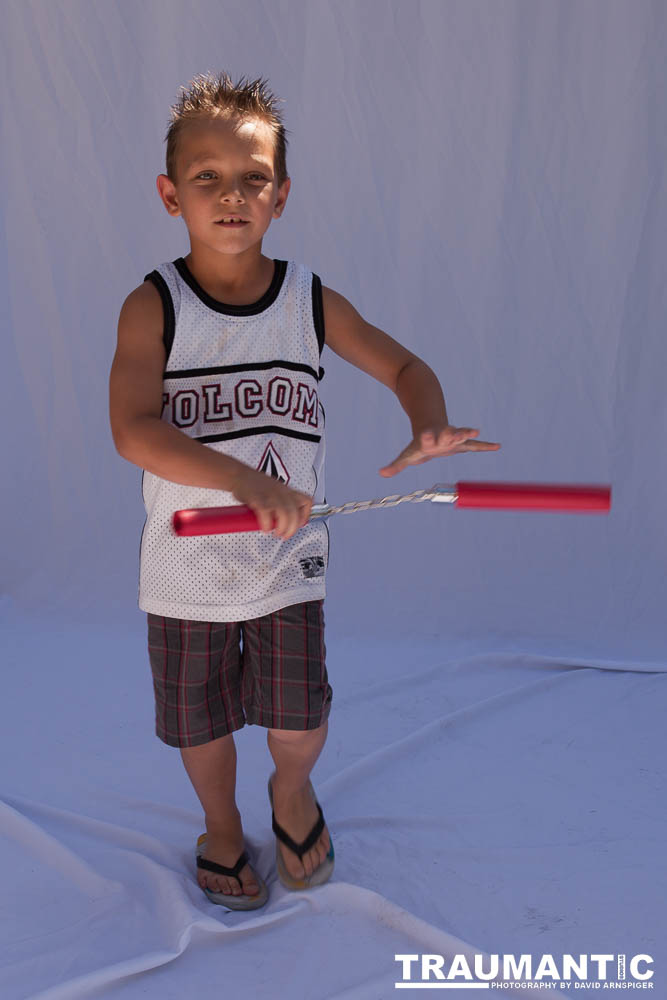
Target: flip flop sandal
321, 874
228, 899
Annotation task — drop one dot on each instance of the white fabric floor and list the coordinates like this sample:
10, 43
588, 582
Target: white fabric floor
479, 804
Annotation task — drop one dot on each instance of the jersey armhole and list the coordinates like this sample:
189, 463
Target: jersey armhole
167, 308
318, 316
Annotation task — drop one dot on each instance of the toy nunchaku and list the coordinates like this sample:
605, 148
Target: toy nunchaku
563, 497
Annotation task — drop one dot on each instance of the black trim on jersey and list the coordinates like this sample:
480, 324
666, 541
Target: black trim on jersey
266, 429
318, 315
167, 309
251, 366
270, 295
325, 496
143, 528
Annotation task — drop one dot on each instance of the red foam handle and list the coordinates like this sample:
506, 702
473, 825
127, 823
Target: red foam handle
216, 520
533, 496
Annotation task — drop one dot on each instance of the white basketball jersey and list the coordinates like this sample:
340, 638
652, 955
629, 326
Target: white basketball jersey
242, 380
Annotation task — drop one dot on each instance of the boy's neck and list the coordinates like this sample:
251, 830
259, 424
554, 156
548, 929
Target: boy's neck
235, 279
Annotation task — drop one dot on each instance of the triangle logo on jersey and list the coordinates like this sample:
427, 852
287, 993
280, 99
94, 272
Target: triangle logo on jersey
272, 464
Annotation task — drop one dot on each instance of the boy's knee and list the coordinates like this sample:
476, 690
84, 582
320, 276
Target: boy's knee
298, 735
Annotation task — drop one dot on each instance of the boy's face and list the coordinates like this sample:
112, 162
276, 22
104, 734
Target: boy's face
233, 175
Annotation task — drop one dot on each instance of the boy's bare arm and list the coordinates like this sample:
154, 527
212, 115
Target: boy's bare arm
143, 438
373, 351
363, 345
414, 383
162, 449
167, 452
135, 403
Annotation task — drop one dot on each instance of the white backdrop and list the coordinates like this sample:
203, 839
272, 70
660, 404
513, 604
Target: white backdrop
485, 181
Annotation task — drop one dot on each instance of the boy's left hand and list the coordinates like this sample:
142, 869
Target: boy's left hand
434, 441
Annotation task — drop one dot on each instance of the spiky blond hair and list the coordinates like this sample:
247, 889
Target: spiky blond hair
210, 96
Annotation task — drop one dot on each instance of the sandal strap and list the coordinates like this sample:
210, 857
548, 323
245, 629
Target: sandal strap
304, 846
213, 866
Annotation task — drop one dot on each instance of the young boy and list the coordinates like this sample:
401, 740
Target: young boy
213, 393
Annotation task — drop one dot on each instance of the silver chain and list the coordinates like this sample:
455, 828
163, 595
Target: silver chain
325, 510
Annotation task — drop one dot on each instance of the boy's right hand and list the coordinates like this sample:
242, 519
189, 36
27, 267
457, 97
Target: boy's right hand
269, 498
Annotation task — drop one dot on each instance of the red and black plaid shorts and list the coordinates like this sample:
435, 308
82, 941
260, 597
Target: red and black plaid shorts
206, 685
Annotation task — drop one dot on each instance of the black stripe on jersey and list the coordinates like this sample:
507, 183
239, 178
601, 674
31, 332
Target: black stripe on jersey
252, 366
167, 309
318, 315
267, 429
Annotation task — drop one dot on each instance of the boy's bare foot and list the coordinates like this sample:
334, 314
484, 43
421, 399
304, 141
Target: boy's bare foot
297, 814
224, 843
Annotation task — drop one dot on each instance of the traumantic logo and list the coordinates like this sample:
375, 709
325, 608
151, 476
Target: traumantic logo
498, 972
